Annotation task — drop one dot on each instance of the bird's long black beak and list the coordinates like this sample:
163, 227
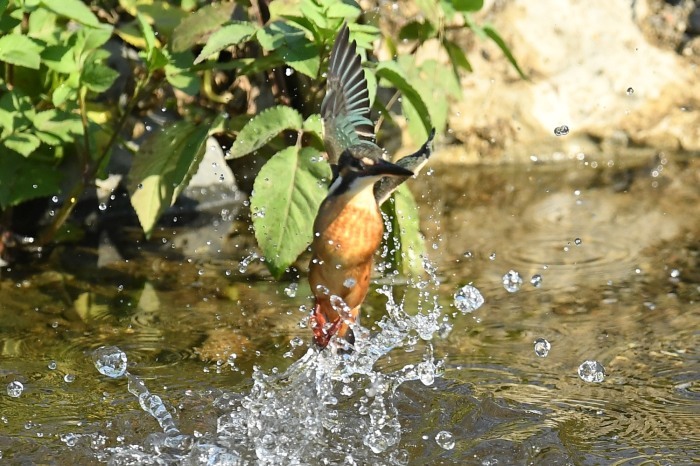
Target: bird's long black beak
383, 168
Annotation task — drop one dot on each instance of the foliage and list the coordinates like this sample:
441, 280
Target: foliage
60, 117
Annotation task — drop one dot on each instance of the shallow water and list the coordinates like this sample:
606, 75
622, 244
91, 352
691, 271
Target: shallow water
617, 245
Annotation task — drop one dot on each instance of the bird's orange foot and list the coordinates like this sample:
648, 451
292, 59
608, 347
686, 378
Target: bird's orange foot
322, 331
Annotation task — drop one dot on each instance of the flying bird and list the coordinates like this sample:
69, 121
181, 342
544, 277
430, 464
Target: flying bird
348, 228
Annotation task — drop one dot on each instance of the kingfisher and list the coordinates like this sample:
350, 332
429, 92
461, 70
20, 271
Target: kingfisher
348, 228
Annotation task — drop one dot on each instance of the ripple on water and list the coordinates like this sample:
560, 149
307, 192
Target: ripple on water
597, 260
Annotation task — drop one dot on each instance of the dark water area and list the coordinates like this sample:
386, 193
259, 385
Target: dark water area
612, 245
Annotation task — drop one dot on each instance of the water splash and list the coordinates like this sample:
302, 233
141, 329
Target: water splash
311, 413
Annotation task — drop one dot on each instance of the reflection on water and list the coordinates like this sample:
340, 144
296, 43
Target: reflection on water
609, 263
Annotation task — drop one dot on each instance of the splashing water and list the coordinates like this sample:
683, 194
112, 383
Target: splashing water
329, 407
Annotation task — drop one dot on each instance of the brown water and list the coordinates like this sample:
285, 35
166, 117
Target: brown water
617, 244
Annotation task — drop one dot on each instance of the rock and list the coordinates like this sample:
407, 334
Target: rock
590, 68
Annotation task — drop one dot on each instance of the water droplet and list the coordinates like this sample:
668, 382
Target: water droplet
591, 371
349, 283
426, 373
468, 299
52, 365
15, 389
70, 439
561, 130
291, 290
296, 342
542, 347
69, 378
675, 273
288, 72
102, 206
110, 361
536, 280
54, 199
512, 281
492, 256
468, 255
444, 330
577, 241
630, 91
445, 439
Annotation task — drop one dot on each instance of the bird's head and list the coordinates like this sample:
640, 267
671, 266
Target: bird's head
361, 166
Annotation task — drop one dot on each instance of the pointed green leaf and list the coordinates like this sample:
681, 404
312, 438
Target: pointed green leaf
494, 36
457, 57
263, 127
406, 244
22, 179
287, 193
3, 5
23, 143
98, 77
72, 9
162, 169
200, 24
20, 51
304, 57
233, 34
56, 127
396, 76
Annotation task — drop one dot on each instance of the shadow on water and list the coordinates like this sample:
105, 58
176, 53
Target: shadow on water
608, 254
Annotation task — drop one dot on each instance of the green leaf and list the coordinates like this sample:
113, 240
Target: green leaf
195, 28
341, 10
457, 57
96, 37
163, 167
467, 5
493, 35
232, 34
179, 74
415, 30
304, 57
59, 58
22, 179
98, 77
406, 244
72, 9
3, 5
65, 89
20, 51
263, 127
314, 12
55, 127
396, 76
23, 143
148, 34
314, 125
286, 196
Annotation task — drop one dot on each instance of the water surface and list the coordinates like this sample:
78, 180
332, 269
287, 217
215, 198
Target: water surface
617, 246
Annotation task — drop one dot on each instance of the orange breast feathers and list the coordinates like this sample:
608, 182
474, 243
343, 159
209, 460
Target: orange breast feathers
347, 234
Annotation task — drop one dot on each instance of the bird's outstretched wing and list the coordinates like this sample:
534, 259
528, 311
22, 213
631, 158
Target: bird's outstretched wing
345, 108
414, 162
